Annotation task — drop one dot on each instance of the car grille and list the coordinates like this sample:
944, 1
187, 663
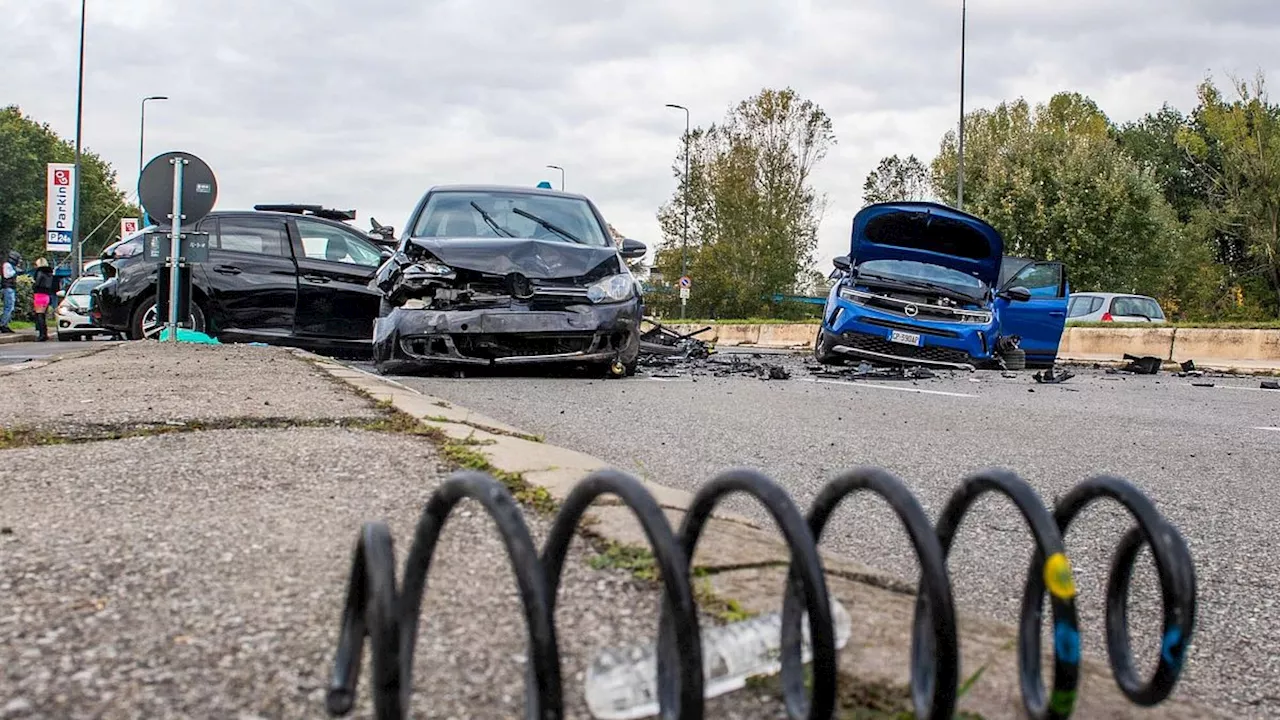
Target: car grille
873, 343
521, 345
910, 328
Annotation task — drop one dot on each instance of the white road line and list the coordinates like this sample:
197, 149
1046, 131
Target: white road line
888, 387
1239, 387
1272, 429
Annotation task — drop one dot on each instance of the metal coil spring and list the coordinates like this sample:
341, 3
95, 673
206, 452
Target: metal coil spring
388, 615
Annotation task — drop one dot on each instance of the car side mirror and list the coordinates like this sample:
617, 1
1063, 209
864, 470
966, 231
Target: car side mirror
632, 249
842, 263
1017, 294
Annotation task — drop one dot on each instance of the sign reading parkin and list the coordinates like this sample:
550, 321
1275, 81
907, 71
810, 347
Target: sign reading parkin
61, 207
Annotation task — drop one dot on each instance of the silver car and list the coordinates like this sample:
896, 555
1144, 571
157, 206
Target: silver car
1114, 307
72, 316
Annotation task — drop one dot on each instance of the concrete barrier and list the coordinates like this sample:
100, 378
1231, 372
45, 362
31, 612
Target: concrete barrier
1208, 347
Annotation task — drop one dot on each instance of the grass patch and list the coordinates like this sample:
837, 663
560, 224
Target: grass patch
460, 453
11, 438
22, 325
638, 561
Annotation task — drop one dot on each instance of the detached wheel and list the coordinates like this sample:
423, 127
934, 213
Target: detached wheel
1014, 359
147, 324
822, 350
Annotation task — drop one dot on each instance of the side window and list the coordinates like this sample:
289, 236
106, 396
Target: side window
261, 236
325, 242
1078, 306
1042, 279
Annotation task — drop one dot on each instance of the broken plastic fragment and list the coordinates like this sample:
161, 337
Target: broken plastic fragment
622, 683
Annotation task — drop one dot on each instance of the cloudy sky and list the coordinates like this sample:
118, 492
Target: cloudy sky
366, 104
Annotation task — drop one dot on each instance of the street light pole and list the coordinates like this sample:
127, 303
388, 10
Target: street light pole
684, 251
142, 129
77, 251
557, 167
960, 148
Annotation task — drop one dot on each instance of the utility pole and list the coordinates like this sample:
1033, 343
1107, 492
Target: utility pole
142, 129
960, 156
77, 251
684, 250
557, 167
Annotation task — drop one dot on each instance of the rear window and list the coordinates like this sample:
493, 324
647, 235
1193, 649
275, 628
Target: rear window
1136, 307
1080, 306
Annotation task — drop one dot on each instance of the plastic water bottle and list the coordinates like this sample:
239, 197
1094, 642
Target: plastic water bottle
622, 683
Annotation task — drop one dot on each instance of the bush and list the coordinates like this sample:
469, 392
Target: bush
22, 309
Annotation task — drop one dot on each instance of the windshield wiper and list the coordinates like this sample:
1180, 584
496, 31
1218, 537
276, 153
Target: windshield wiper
914, 283
548, 225
491, 222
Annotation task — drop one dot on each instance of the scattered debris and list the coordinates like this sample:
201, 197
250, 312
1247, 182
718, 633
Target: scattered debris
1202, 384
661, 341
1189, 366
1271, 384
1148, 365
1053, 376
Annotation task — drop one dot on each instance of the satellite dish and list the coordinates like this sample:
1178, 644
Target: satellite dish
199, 188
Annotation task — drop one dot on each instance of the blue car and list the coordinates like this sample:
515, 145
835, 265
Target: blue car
925, 284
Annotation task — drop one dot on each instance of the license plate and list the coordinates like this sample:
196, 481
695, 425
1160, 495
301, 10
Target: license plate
905, 338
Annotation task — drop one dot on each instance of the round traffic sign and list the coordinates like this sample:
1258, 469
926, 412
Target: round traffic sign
685, 282
199, 188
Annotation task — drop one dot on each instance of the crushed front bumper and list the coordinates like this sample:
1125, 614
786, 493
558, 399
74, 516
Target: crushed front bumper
508, 336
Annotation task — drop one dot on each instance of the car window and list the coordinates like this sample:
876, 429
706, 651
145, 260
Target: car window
325, 242
261, 236
451, 214
1079, 306
1136, 307
84, 285
1042, 279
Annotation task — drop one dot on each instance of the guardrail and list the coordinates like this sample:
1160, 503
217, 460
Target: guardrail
386, 613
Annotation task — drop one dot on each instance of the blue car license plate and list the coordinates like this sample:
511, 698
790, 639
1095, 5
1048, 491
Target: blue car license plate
905, 338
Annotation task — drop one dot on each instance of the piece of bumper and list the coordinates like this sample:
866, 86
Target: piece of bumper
507, 337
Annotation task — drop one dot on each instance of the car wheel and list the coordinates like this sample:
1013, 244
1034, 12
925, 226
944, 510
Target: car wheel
147, 324
822, 350
1014, 359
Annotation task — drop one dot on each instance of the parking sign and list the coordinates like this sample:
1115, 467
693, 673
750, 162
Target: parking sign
60, 206
128, 226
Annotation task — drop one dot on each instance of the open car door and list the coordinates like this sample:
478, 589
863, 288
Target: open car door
1040, 320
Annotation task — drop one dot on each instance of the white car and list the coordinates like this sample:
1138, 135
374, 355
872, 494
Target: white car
1114, 307
71, 319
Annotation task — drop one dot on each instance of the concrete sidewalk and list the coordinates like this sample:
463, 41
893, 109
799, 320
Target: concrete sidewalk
177, 528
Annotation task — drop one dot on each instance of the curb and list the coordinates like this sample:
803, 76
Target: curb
17, 337
68, 355
744, 566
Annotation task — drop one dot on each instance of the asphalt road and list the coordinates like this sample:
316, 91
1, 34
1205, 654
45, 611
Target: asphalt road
12, 353
1206, 455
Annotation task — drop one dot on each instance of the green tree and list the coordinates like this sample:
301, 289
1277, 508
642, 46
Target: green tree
26, 147
1054, 181
753, 213
897, 179
1235, 145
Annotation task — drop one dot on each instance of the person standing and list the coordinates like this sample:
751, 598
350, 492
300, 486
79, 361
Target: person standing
9, 288
42, 293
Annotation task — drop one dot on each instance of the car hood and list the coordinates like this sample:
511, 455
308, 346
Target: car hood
927, 232
536, 259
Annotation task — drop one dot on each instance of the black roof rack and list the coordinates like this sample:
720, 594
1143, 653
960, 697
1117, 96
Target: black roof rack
317, 210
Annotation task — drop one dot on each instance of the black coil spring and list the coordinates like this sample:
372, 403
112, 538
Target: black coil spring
388, 616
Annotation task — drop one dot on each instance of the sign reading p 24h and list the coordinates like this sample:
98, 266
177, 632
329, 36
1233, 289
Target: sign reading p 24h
60, 206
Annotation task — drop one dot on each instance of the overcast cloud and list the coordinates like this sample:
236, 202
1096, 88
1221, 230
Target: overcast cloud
366, 104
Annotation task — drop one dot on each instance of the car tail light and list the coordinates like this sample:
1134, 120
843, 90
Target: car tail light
1106, 317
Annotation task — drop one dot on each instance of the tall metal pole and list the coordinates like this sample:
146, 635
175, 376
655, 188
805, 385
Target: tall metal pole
960, 170
557, 167
142, 130
175, 235
684, 251
77, 251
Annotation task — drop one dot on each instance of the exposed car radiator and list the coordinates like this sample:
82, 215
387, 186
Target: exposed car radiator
387, 613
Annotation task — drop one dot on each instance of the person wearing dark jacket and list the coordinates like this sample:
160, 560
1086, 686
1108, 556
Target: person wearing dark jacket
9, 270
43, 290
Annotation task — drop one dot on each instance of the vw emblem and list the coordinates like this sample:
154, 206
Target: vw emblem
520, 286
911, 310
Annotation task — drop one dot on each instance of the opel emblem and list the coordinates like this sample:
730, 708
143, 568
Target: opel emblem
520, 286
911, 310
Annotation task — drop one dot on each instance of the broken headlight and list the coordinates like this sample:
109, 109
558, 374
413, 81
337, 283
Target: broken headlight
614, 288
427, 269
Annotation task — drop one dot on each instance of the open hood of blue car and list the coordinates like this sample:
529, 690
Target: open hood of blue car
927, 232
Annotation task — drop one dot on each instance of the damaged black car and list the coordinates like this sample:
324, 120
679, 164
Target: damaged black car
493, 275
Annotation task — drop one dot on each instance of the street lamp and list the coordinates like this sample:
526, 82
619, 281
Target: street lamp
960, 148
142, 129
77, 251
684, 250
557, 167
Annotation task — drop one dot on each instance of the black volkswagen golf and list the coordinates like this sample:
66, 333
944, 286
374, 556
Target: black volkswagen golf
275, 277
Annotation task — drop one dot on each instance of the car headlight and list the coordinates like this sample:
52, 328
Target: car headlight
614, 288
846, 293
429, 269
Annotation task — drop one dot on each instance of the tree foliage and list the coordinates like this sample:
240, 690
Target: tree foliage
897, 179
752, 211
26, 147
